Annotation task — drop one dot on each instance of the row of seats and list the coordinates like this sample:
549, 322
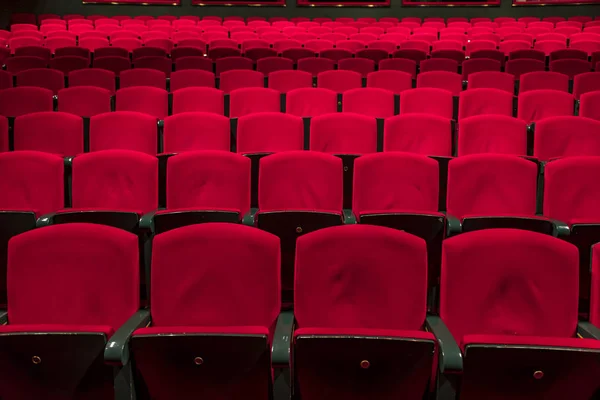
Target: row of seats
481, 191
32, 19
351, 295
67, 135
531, 106
436, 72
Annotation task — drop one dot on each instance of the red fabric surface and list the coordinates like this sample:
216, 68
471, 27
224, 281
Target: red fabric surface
569, 194
363, 66
42, 77
208, 180
18, 101
121, 180
269, 132
450, 81
339, 81
484, 102
232, 63
315, 66
491, 185
144, 99
123, 130
566, 136
73, 274
395, 333
427, 101
509, 282
196, 131
540, 80
311, 102
570, 67
419, 133
440, 65
250, 100
350, 276
587, 82
236, 79
395, 81
539, 104
492, 134
589, 105
209, 297
521, 66
343, 133
31, 181
153, 63
191, 78
287, 80
3, 134
143, 77
113, 64
200, 99
57, 328
300, 180
51, 132
84, 101
492, 80
399, 64
233, 330
503, 340
415, 179
373, 102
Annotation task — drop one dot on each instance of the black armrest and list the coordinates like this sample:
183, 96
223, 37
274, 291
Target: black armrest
147, 222
453, 225
45, 220
116, 351
588, 331
282, 341
451, 360
249, 218
3, 317
560, 229
349, 217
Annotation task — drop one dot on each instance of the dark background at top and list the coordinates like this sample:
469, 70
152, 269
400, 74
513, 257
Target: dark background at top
396, 10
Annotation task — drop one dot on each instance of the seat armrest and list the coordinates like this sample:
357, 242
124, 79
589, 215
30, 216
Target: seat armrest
450, 356
560, 229
3, 317
45, 220
349, 217
249, 218
116, 351
147, 222
588, 331
282, 341
453, 225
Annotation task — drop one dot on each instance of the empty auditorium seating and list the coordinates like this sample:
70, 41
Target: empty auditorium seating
484, 101
198, 99
428, 101
310, 102
321, 321
536, 105
189, 131
18, 101
126, 130
492, 134
508, 328
566, 136
52, 132
250, 332
79, 261
149, 100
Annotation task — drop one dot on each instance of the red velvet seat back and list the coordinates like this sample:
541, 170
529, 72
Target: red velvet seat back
52, 132
509, 282
351, 276
120, 180
31, 181
395, 182
491, 185
208, 296
73, 274
269, 132
208, 180
300, 181
343, 133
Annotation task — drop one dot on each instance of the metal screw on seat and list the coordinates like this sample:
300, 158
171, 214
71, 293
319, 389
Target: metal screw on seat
365, 364
198, 361
299, 229
538, 374
36, 360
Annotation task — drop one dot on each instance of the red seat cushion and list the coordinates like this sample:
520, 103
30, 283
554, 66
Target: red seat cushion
234, 330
